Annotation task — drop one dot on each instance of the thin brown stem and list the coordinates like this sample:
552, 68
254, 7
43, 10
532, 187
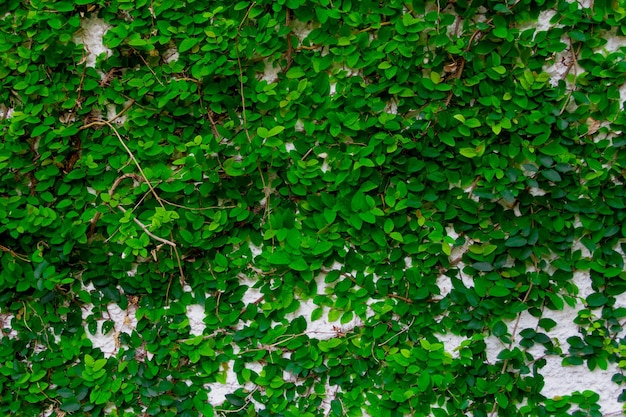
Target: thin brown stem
14, 254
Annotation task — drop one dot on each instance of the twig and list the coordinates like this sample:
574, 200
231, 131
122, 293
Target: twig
123, 210
369, 28
213, 125
289, 45
169, 203
309, 47
473, 186
306, 154
153, 73
243, 104
117, 182
572, 64
130, 153
202, 337
148, 232
330, 408
505, 364
459, 72
273, 345
14, 254
152, 190
241, 92
399, 297
398, 334
101, 122
396, 296
247, 401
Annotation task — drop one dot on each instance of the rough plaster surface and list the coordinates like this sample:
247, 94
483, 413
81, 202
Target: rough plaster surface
559, 380
91, 37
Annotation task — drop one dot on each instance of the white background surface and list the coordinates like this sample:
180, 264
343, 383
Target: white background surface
559, 380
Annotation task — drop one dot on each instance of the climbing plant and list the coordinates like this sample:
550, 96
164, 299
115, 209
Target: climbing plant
357, 156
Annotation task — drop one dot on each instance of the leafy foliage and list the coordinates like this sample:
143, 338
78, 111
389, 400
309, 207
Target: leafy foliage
373, 151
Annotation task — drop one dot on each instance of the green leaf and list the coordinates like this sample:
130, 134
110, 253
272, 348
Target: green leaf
547, 323
321, 247
472, 123
481, 285
379, 330
597, 300
274, 131
99, 364
515, 242
262, 132
498, 291
468, 152
317, 313
187, 235
137, 41
70, 405
447, 138
553, 149
206, 350
556, 300
39, 130
187, 44
482, 266
279, 258
501, 32
368, 216
358, 202
299, 265
388, 226
423, 382
295, 72
63, 6
294, 238
232, 167
551, 175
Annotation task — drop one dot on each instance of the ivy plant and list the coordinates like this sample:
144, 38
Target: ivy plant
353, 156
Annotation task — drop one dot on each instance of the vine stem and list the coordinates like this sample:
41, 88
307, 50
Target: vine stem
241, 92
221, 410
266, 190
102, 122
573, 64
148, 232
275, 344
505, 364
398, 334
14, 254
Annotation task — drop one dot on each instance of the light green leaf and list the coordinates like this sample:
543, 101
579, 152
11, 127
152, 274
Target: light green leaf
262, 132
468, 152
274, 131
299, 265
472, 123
295, 72
187, 44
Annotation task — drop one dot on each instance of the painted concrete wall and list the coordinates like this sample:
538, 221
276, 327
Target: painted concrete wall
559, 380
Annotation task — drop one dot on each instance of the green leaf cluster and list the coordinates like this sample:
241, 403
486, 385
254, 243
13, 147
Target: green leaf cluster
351, 155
